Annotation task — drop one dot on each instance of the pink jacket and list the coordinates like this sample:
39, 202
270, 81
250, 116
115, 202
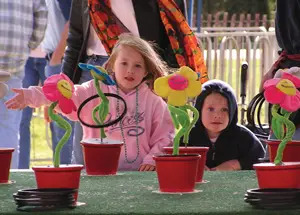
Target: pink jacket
154, 126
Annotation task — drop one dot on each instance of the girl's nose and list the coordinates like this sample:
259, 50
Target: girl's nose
129, 71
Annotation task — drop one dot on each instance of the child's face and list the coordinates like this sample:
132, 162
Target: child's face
129, 68
215, 115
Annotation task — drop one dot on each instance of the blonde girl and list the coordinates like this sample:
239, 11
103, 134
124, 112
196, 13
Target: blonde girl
147, 126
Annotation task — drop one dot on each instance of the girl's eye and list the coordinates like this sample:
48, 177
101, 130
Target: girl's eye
224, 109
210, 109
124, 63
138, 66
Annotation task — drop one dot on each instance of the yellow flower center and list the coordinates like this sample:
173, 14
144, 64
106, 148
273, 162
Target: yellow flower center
65, 88
98, 77
287, 87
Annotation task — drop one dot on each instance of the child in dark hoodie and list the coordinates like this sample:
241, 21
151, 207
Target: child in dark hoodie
231, 146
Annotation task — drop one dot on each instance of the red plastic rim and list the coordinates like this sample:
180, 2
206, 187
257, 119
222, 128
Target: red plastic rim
183, 148
178, 157
276, 142
6, 150
101, 145
188, 149
97, 142
267, 166
61, 168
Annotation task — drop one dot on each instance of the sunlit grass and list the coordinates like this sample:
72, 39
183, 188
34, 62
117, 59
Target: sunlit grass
41, 152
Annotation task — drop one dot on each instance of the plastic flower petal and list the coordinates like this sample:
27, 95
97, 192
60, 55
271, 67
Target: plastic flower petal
179, 86
292, 78
283, 91
99, 72
59, 88
177, 97
161, 87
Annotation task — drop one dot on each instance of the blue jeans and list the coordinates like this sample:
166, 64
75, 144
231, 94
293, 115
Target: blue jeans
77, 156
34, 73
57, 132
10, 121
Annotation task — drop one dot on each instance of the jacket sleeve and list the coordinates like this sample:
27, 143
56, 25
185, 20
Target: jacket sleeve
162, 131
74, 40
39, 23
251, 150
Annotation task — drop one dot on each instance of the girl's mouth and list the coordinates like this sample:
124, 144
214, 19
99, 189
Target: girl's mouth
129, 78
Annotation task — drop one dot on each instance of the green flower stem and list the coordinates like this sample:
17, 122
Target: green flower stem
194, 120
94, 116
63, 124
102, 108
178, 116
290, 130
277, 123
175, 121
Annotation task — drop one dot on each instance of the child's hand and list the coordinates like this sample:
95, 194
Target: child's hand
18, 101
206, 168
46, 115
230, 165
147, 167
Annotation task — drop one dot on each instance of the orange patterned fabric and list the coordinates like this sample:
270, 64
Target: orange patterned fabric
105, 26
182, 39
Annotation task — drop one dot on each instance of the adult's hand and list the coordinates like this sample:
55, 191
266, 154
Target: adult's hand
3, 90
46, 114
267, 76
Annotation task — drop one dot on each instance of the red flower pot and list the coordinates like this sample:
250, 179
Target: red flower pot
193, 150
291, 151
283, 176
101, 158
64, 176
5, 160
176, 173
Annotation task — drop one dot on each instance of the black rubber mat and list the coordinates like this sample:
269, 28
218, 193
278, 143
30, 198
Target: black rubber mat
274, 199
44, 199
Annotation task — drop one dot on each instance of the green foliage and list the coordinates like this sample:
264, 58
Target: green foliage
250, 6
212, 7
238, 6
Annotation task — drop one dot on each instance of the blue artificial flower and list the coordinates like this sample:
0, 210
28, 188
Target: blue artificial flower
99, 72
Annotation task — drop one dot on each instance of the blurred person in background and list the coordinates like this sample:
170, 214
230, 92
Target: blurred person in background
22, 28
34, 75
287, 29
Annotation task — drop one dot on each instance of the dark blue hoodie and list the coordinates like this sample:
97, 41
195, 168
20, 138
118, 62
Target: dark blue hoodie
236, 142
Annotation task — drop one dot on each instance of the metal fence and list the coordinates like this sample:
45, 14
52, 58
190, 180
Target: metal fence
226, 48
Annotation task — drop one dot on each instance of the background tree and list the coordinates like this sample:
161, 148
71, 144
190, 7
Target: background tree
238, 7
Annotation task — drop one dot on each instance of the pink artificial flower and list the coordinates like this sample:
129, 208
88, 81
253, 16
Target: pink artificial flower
59, 88
283, 91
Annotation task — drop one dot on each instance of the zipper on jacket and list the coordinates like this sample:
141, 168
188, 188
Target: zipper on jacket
214, 150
